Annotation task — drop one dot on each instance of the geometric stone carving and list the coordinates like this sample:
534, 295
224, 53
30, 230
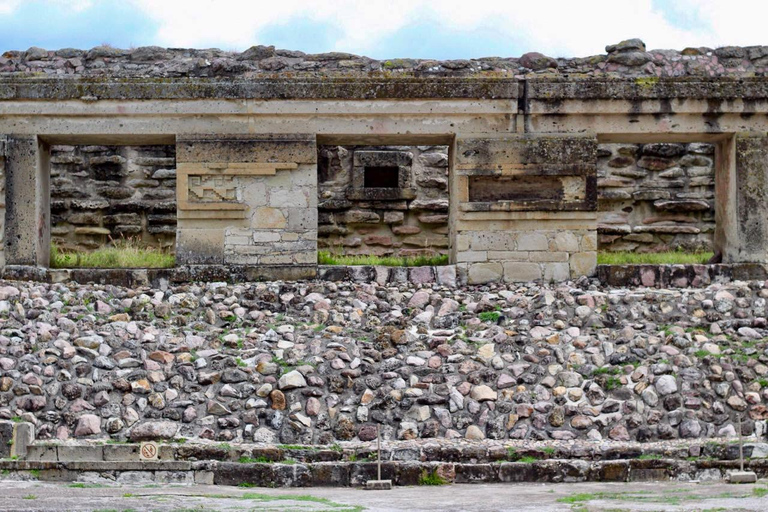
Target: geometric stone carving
210, 187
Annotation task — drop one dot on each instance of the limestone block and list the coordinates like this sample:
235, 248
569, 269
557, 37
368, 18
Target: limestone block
566, 241
521, 272
471, 256
556, 272
583, 264
494, 240
509, 255
480, 273
298, 148
268, 218
532, 242
589, 241
261, 237
547, 256
199, 246
301, 219
287, 198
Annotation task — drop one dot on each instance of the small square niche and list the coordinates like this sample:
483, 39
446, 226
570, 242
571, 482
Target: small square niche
381, 175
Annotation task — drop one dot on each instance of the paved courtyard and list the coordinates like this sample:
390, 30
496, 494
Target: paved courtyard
582, 497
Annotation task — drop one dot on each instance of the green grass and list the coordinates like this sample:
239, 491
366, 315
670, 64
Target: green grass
123, 253
326, 258
760, 491
527, 460
489, 316
431, 478
653, 258
29, 497
257, 460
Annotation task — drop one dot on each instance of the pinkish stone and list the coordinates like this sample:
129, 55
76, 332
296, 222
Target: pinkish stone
313, 406
421, 275
88, 424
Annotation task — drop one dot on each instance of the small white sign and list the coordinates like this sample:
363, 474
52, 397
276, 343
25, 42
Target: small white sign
148, 451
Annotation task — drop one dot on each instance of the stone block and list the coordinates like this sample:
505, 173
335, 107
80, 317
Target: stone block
480, 273
446, 275
268, 218
200, 246
583, 264
532, 242
80, 453
298, 148
556, 272
521, 272
566, 241
471, 256
548, 256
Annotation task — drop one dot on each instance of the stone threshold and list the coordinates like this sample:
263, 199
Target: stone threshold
447, 275
679, 276
354, 474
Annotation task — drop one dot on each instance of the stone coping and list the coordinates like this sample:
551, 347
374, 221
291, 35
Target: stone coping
543, 88
92, 89
678, 276
448, 275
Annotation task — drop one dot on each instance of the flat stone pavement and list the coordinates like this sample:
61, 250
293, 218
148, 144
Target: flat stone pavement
580, 497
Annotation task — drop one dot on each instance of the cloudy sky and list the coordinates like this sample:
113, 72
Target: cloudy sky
440, 29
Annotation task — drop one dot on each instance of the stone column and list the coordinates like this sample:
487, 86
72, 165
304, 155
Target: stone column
27, 238
525, 208
249, 201
741, 193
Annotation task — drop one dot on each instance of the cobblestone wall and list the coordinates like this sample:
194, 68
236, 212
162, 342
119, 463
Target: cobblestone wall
103, 192
656, 197
319, 362
408, 221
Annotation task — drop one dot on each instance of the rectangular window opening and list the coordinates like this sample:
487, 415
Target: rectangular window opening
113, 206
656, 203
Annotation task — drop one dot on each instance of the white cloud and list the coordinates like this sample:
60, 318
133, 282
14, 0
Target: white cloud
8, 6
554, 27
551, 26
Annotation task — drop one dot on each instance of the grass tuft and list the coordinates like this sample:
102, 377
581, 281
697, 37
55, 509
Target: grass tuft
431, 478
653, 258
326, 258
122, 253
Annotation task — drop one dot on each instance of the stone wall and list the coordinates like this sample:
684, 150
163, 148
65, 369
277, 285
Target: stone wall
100, 193
408, 220
656, 197
320, 362
248, 200
523, 208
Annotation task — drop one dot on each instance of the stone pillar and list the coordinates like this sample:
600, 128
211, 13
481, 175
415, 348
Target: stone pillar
524, 208
741, 192
27, 238
248, 200
3, 148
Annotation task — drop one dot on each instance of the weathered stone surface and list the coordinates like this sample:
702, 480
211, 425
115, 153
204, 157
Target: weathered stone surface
154, 430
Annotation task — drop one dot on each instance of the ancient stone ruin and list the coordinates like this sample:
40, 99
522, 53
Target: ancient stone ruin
519, 170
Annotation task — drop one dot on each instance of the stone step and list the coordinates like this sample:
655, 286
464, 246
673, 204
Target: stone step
445, 453
345, 474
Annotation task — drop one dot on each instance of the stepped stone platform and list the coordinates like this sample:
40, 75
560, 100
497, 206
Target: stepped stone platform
405, 463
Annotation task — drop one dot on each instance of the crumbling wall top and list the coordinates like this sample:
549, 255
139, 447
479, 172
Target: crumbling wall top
626, 59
